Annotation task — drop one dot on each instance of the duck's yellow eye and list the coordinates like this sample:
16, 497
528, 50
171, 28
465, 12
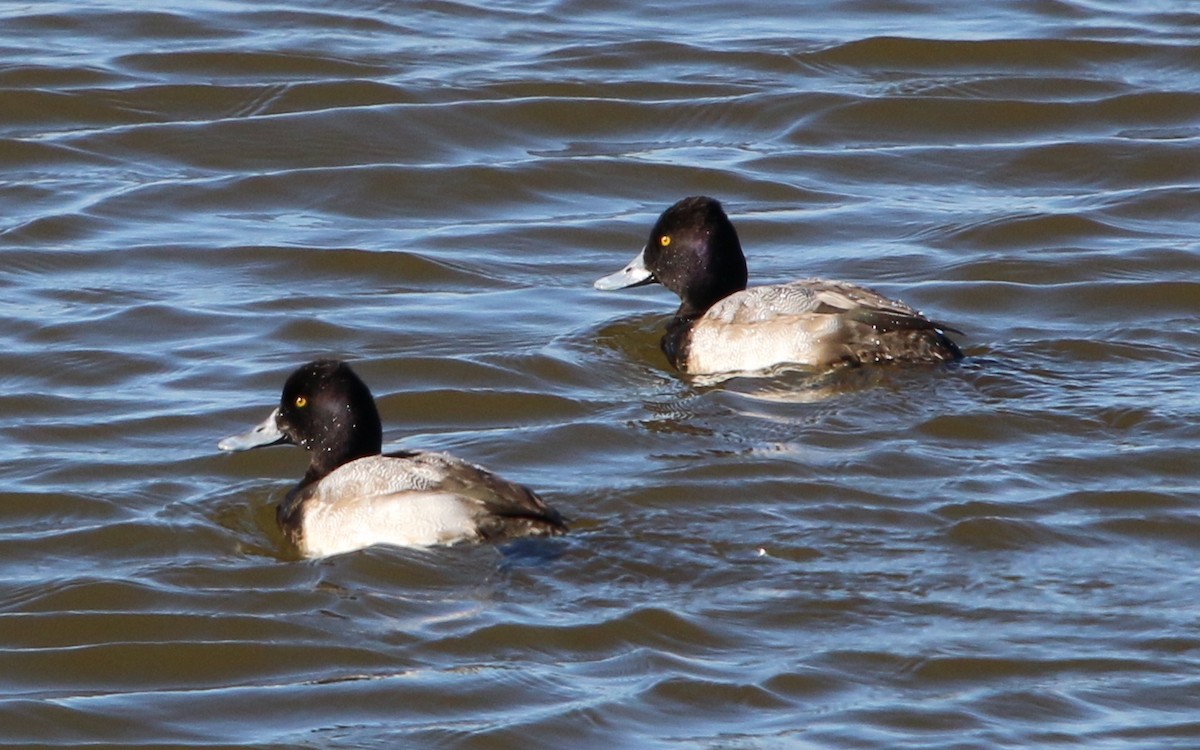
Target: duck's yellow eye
664, 240
301, 401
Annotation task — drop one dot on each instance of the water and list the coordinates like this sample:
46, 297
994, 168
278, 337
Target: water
197, 197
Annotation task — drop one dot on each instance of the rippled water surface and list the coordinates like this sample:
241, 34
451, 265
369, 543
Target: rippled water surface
197, 197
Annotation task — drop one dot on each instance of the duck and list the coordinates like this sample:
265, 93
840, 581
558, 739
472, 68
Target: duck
724, 327
354, 496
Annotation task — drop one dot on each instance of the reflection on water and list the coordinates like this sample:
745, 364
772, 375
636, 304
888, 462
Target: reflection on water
992, 554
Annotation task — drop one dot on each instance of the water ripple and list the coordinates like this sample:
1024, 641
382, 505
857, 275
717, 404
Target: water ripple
991, 554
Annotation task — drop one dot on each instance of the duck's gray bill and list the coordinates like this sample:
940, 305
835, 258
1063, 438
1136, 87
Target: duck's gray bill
266, 433
634, 274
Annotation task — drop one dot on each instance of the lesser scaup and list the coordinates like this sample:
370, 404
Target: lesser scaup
722, 327
353, 497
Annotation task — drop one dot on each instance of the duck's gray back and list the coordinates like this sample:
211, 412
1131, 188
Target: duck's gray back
811, 322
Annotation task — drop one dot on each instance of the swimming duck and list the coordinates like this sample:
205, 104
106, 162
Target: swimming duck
352, 496
723, 327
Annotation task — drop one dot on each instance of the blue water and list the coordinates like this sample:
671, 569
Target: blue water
196, 198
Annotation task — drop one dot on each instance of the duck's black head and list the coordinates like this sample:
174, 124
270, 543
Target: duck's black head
694, 251
327, 410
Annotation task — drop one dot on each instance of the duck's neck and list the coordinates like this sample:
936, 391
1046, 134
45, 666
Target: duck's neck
340, 440
699, 301
675, 340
